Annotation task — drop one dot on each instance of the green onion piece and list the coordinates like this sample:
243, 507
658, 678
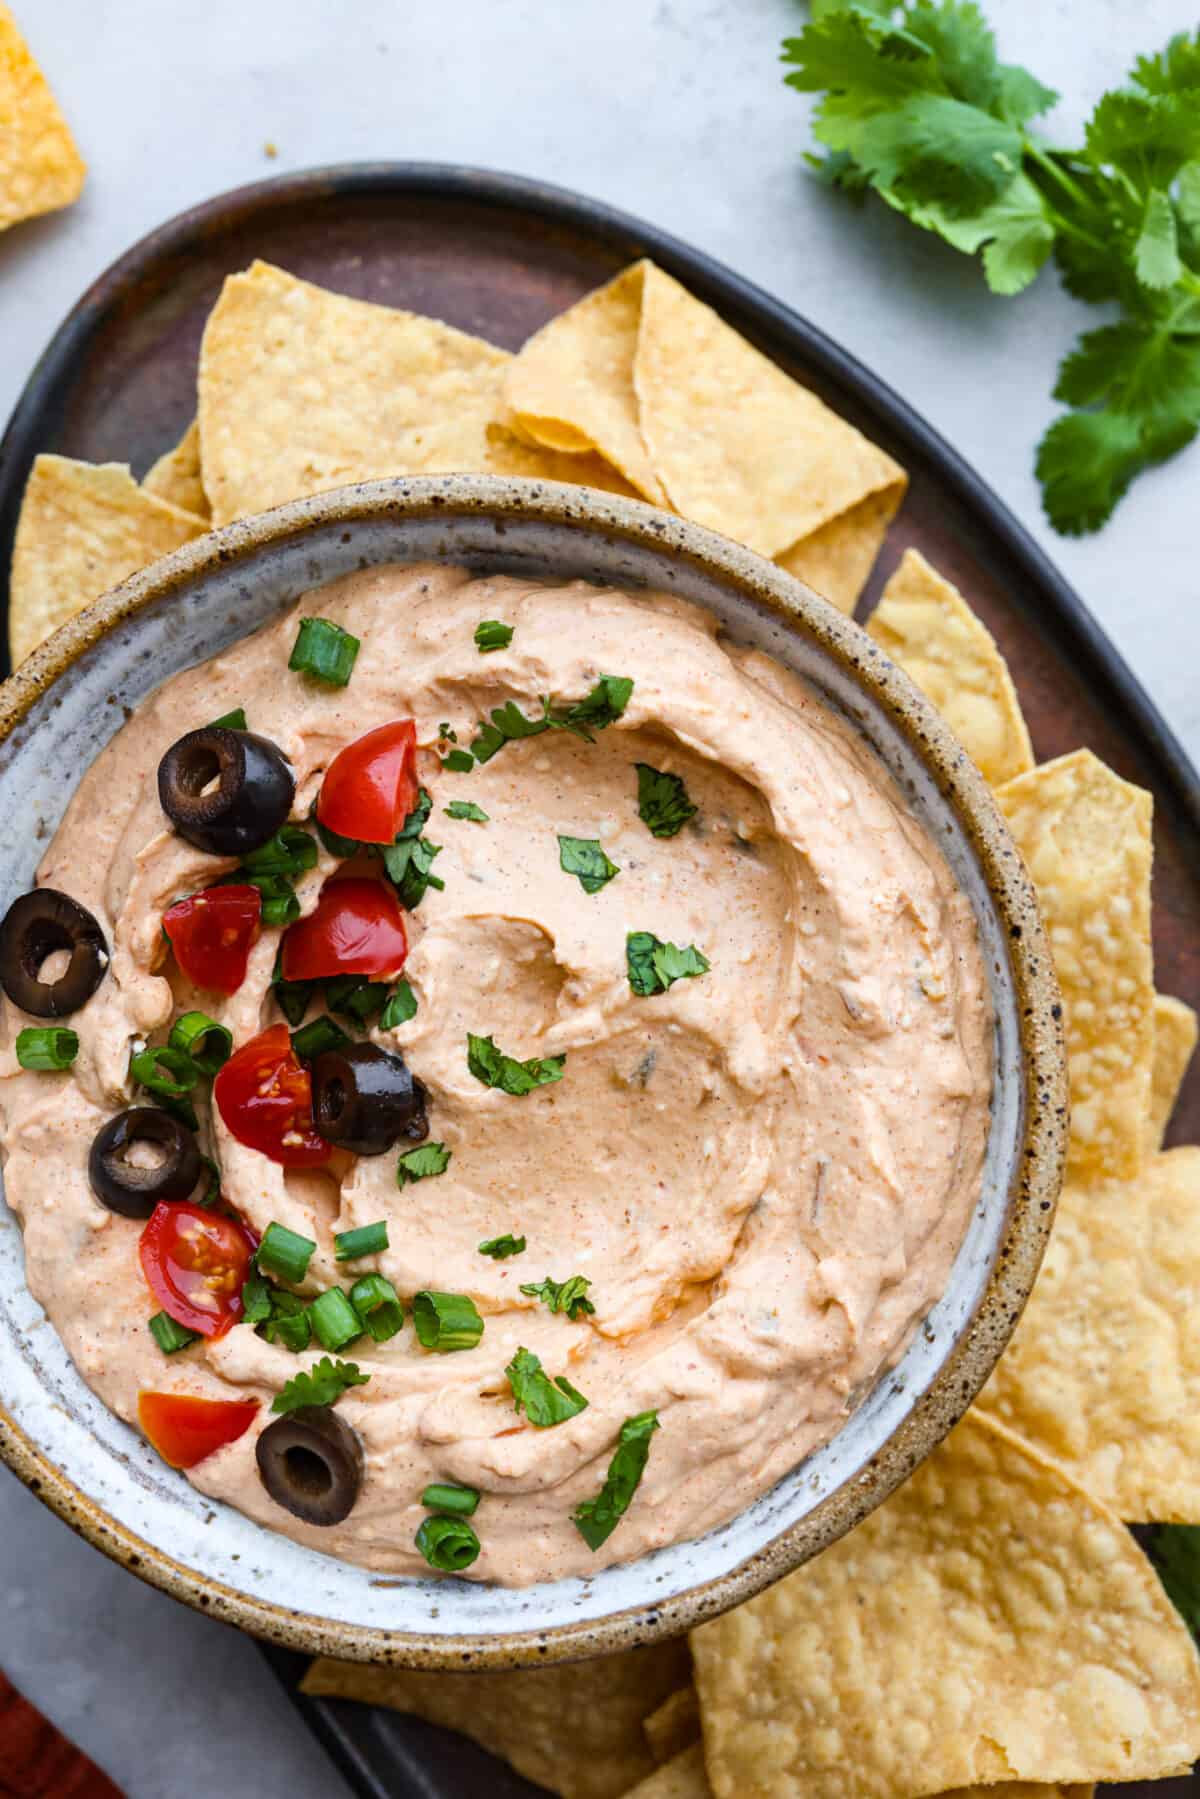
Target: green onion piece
334, 1319
490, 634
459, 762
500, 1248
317, 1037
230, 721
367, 1240
47, 1048
208, 1043
469, 810
374, 1299
323, 649
292, 997
287, 1254
181, 1107
418, 1164
355, 997
291, 851
445, 1496
169, 1335
446, 1321
181, 1076
279, 903
400, 1008
448, 1544
596, 1519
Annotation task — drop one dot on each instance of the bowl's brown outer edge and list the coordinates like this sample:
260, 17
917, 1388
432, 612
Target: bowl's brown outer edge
1035, 1186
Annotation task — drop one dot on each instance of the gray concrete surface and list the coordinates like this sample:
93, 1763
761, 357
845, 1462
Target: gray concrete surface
675, 110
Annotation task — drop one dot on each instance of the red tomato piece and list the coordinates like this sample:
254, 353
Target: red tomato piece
370, 787
184, 1428
195, 1262
212, 934
265, 1097
357, 928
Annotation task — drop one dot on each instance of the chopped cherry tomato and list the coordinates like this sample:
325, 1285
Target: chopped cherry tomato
357, 928
184, 1428
195, 1262
370, 787
212, 934
265, 1097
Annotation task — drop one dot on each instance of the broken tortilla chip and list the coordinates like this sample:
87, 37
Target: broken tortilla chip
176, 476
1085, 837
836, 560
737, 444
1174, 1041
674, 1725
41, 169
1103, 1371
683, 1777
303, 390
84, 527
989, 1622
575, 1728
925, 625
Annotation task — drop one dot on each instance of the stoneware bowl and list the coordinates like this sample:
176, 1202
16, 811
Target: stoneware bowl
62, 706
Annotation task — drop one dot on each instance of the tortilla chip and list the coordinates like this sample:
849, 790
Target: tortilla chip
302, 390
176, 476
1085, 837
989, 1622
1103, 1372
737, 444
41, 169
83, 528
575, 1728
926, 626
683, 1777
674, 1726
1174, 1040
837, 560
571, 386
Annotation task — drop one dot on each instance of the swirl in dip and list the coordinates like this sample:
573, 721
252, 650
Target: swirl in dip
763, 1172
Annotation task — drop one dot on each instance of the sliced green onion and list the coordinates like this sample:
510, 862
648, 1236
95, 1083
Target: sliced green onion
444, 1496
279, 903
169, 1335
367, 1240
446, 1321
208, 1043
375, 1301
459, 762
286, 1253
181, 1076
317, 1037
323, 649
47, 1048
355, 997
400, 1008
292, 851
230, 721
334, 1319
181, 1107
448, 1544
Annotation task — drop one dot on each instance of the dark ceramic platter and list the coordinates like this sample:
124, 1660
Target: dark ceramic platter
498, 256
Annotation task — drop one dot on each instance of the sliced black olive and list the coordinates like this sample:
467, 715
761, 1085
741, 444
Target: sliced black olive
226, 791
35, 926
365, 1099
132, 1190
311, 1463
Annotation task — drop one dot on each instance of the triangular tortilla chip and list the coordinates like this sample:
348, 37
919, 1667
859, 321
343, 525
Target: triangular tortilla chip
674, 1725
683, 1777
302, 390
83, 528
837, 559
737, 444
575, 1728
925, 625
1174, 1041
1085, 837
571, 386
989, 1622
40, 168
1104, 1370
176, 476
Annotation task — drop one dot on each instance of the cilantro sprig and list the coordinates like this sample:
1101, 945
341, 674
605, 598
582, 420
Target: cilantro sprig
491, 1066
569, 1296
918, 108
322, 1384
601, 707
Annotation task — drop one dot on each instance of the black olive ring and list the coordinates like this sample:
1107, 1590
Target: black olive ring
226, 791
131, 1191
311, 1463
34, 927
366, 1098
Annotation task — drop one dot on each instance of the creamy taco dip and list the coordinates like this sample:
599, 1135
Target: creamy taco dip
490, 1073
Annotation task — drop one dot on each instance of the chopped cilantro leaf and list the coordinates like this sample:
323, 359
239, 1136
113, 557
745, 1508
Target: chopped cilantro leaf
354, 996
459, 762
467, 809
491, 1066
569, 1296
490, 634
601, 707
500, 1248
583, 856
653, 966
409, 860
400, 1008
322, 1384
663, 803
596, 1519
545, 1400
419, 1164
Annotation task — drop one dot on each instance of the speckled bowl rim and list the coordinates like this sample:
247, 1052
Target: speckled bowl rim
1038, 1166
